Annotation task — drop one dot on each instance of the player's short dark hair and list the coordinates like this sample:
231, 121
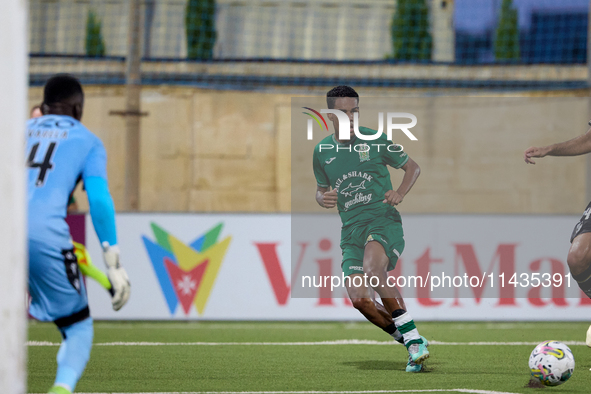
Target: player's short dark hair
61, 88
340, 91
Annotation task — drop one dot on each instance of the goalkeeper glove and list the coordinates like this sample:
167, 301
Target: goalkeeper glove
120, 286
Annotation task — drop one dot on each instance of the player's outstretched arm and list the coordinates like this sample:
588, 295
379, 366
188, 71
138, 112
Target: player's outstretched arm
325, 197
577, 146
411, 173
102, 212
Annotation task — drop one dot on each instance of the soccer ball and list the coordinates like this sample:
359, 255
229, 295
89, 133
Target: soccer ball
552, 363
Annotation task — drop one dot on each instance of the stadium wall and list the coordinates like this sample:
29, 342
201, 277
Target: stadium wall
229, 151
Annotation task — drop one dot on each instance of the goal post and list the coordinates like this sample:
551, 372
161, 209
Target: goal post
13, 267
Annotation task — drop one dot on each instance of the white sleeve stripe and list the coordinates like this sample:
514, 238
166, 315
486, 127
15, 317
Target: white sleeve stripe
403, 163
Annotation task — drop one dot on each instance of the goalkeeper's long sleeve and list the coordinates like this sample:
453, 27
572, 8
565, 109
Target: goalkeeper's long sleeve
102, 209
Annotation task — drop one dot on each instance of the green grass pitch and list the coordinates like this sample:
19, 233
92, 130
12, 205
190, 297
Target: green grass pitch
150, 357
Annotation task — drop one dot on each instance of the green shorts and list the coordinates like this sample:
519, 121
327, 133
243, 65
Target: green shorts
387, 230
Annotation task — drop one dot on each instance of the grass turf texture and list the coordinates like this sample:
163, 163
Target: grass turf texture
304, 368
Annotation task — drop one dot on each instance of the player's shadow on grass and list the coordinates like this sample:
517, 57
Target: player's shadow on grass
376, 365
381, 365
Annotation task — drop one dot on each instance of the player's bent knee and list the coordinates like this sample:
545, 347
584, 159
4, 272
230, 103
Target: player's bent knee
362, 304
375, 267
372, 270
578, 260
579, 255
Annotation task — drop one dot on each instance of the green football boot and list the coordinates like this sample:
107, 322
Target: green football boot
412, 365
58, 390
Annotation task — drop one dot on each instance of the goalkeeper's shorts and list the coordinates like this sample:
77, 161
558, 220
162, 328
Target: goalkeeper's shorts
57, 291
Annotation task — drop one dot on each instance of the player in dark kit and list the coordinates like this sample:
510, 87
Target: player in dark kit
579, 254
355, 179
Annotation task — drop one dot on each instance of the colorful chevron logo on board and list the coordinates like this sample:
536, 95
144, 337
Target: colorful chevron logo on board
186, 272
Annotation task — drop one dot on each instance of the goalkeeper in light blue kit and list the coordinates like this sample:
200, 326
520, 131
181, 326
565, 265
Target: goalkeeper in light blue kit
60, 152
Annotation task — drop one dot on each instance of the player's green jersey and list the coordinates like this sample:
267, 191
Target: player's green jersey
359, 172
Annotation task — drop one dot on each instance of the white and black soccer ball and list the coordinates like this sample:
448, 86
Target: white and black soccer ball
552, 363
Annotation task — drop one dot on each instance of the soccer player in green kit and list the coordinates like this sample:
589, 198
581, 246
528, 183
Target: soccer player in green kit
355, 179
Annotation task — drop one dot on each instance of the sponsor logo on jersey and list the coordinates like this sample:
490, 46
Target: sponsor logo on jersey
349, 190
352, 174
330, 160
358, 199
354, 188
186, 272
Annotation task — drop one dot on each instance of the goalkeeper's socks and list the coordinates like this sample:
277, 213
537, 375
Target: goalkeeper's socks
406, 327
394, 333
74, 353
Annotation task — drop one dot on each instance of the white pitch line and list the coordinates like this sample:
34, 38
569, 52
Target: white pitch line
215, 326
469, 391
322, 343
